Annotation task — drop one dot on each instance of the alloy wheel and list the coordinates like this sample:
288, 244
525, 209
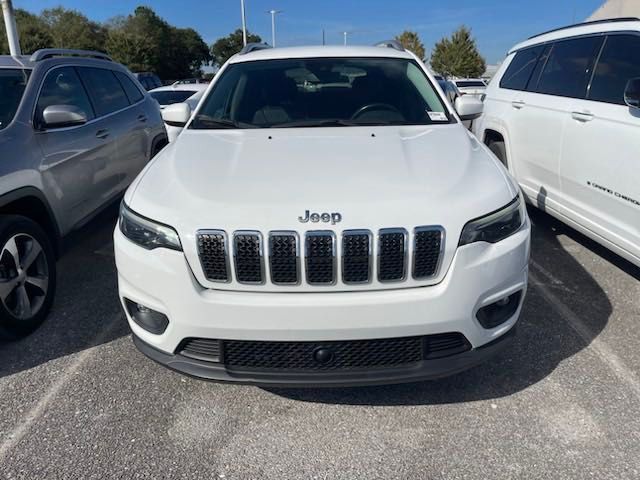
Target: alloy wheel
24, 276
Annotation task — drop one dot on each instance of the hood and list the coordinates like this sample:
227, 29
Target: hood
373, 177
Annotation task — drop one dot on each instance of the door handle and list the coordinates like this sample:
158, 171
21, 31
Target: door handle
103, 133
517, 104
142, 118
582, 116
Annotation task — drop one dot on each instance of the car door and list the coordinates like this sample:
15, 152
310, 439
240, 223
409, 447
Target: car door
561, 76
600, 165
73, 157
123, 123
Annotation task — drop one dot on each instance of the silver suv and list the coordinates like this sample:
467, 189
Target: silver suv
75, 130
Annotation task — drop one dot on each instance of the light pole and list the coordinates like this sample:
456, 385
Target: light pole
345, 37
10, 26
273, 25
244, 24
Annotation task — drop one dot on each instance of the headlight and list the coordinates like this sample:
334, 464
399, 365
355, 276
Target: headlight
496, 226
147, 233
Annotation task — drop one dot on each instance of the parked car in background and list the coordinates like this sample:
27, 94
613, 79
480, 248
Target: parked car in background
449, 88
563, 115
471, 86
189, 93
148, 80
190, 81
75, 130
323, 219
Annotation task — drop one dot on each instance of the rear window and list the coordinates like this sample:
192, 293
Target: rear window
133, 92
519, 70
321, 92
105, 90
168, 97
13, 81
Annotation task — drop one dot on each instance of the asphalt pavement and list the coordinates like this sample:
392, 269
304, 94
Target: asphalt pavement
77, 400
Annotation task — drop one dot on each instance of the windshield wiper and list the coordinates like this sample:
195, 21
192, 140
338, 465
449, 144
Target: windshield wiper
334, 122
205, 121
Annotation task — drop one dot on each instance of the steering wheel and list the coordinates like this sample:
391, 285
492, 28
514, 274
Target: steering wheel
374, 106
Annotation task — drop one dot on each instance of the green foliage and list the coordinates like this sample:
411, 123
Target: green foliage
411, 41
458, 56
225, 47
34, 33
71, 29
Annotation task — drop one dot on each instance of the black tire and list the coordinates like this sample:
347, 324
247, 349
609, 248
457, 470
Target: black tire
35, 285
499, 151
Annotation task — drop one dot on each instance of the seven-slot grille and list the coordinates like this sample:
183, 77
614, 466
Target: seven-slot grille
362, 259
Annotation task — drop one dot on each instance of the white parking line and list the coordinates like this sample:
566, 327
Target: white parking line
603, 351
26, 421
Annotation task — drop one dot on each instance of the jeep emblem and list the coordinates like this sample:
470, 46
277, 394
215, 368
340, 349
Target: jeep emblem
334, 217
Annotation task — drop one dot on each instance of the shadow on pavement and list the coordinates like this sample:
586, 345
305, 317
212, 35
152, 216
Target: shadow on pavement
86, 302
543, 341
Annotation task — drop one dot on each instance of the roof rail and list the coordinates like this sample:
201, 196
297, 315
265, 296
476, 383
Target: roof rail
45, 53
253, 47
593, 22
396, 45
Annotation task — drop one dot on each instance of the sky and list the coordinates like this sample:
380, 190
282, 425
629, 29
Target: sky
496, 24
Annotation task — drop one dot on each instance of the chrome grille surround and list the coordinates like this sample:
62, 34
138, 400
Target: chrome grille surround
393, 255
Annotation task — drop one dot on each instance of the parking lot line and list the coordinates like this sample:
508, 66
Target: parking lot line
614, 362
25, 423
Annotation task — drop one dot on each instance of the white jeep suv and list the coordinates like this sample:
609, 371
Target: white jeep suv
563, 114
323, 219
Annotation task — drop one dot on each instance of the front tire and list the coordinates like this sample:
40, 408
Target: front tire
27, 276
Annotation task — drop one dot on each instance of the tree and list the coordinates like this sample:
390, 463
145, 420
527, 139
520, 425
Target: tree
34, 33
411, 41
225, 47
71, 29
458, 56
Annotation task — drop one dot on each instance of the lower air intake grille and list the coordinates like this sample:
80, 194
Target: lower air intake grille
320, 258
337, 355
426, 252
247, 248
212, 248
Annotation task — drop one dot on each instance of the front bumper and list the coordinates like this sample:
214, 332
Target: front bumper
479, 275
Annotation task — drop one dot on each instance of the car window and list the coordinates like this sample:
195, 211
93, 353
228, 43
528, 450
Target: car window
619, 63
519, 70
106, 92
470, 83
322, 92
62, 86
13, 81
169, 97
133, 93
542, 61
568, 69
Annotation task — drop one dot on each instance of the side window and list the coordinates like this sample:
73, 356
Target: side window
519, 70
105, 90
62, 86
569, 67
542, 61
133, 93
619, 63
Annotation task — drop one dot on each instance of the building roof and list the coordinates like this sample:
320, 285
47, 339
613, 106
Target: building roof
616, 9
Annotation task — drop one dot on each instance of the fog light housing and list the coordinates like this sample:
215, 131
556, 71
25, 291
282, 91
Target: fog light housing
147, 318
498, 312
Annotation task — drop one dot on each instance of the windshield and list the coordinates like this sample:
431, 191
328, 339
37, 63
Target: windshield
12, 84
321, 92
167, 97
470, 83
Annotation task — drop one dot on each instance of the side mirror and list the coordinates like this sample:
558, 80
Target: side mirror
632, 93
469, 107
58, 116
177, 114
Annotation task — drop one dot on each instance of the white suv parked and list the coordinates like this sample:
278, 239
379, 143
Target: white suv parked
323, 219
563, 113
